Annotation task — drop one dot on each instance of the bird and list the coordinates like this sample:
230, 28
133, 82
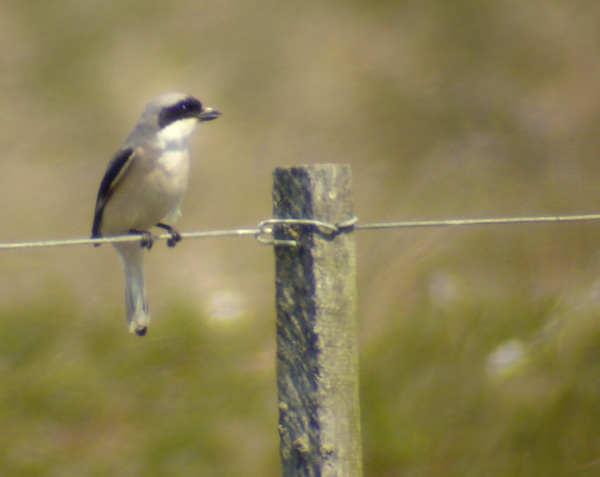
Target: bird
143, 187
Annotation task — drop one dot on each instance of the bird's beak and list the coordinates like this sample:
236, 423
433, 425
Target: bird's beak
208, 114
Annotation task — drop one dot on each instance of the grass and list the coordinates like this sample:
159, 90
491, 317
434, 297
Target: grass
90, 399
432, 405
97, 401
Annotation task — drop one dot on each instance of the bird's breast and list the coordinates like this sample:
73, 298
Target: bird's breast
174, 164
169, 179
149, 193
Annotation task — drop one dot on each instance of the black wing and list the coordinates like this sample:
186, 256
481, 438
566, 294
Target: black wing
116, 169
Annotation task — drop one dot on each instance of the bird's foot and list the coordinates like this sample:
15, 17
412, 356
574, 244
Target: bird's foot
175, 235
147, 240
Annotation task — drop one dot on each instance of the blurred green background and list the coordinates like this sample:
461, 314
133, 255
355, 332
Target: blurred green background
480, 347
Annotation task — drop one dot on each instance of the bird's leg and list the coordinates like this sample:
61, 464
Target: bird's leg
175, 235
147, 239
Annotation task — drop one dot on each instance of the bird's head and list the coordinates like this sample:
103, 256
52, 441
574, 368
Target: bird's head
173, 116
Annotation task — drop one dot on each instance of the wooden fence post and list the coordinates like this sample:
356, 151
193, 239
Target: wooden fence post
317, 351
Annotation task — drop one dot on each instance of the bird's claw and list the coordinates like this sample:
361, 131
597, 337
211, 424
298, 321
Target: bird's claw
175, 235
147, 241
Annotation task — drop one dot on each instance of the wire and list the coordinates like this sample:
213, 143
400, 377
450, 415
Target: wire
264, 231
463, 222
126, 238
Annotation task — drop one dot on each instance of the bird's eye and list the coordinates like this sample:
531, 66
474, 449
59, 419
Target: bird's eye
188, 108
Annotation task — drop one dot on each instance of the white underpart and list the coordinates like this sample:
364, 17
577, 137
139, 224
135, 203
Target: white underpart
152, 190
177, 132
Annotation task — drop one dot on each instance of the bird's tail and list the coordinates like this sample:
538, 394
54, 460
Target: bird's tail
131, 255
